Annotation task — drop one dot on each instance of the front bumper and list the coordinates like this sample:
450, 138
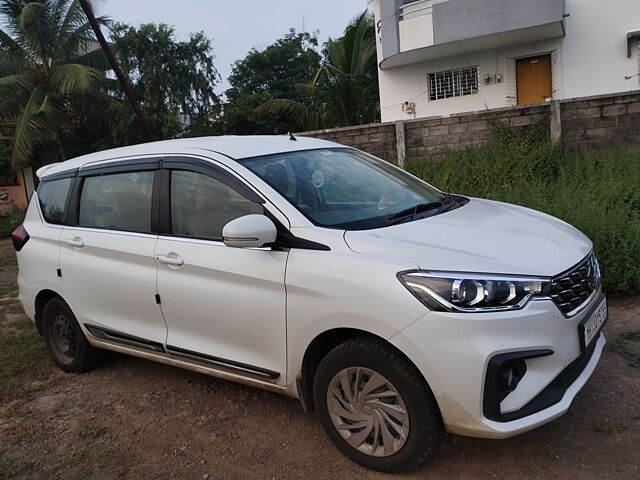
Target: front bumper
454, 351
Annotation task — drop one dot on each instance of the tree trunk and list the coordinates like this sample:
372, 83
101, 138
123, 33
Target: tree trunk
88, 10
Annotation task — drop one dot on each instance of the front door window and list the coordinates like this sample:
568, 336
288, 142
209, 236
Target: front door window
201, 205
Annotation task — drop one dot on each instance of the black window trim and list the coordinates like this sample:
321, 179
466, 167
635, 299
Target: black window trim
60, 175
205, 167
74, 203
157, 202
121, 166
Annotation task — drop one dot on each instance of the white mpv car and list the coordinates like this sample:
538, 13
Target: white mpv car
318, 271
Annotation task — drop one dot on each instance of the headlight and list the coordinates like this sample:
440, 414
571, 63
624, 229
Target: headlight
469, 292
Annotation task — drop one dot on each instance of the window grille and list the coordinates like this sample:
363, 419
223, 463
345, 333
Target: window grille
453, 83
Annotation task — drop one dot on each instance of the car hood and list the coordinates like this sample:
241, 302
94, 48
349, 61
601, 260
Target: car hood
482, 236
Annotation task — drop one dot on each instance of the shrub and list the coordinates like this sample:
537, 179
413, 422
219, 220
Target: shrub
9, 221
597, 192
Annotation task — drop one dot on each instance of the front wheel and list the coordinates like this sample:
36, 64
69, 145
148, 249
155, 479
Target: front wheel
376, 407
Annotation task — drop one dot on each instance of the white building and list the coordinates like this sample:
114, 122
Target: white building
440, 57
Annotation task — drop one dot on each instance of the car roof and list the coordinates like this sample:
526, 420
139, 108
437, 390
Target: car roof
234, 147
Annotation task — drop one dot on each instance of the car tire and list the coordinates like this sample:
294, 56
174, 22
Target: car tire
371, 428
65, 341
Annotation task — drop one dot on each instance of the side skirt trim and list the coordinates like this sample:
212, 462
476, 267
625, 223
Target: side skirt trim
221, 361
113, 336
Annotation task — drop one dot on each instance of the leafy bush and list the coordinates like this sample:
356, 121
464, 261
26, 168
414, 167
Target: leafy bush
9, 222
597, 192
5, 170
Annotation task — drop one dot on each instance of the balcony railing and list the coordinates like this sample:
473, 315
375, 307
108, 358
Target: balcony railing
415, 29
416, 9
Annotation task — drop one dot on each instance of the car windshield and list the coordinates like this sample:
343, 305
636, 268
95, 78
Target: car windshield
347, 189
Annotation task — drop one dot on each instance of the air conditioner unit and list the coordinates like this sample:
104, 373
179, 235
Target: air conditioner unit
490, 78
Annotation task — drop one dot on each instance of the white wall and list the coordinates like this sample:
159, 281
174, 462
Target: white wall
409, 83
595, 48
590, 60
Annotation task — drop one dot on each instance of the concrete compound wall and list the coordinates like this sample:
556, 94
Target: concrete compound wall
378, 139
602, 122
586, 123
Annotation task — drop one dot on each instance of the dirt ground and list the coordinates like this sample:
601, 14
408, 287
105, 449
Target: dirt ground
131, 418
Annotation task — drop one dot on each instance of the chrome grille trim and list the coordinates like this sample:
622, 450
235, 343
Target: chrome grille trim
574, 289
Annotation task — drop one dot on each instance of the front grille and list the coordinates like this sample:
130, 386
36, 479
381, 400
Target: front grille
570, 290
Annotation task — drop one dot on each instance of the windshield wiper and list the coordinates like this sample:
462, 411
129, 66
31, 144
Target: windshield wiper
450, 202
412, 212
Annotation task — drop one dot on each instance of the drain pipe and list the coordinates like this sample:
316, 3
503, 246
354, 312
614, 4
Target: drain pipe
631, 36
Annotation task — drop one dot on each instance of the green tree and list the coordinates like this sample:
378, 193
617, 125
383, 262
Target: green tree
349, 76
51, 76
344, 89
262, 75
174, 82
5, 165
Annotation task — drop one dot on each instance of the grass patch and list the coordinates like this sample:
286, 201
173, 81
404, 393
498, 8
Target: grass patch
23, 356
11, 306
10, 221
9, 468
10, 261
8, 290
627, 344
79, 465
597, 192
90, 432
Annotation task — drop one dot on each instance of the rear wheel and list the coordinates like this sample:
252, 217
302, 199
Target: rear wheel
66, 343
376, 407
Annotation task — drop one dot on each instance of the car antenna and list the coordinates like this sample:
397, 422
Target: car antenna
292, 137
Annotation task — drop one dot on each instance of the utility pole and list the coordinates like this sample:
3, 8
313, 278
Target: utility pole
124, 82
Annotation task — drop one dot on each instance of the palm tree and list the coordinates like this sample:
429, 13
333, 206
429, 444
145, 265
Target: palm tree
344, 91
51, 75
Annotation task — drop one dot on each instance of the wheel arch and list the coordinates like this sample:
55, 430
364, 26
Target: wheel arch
42, 298
318, 348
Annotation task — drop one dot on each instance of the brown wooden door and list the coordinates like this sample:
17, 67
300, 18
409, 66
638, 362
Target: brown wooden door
533, 76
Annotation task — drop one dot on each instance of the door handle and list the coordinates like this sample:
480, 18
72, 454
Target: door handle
172, 259
75, 242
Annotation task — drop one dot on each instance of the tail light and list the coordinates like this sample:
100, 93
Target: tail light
20, 237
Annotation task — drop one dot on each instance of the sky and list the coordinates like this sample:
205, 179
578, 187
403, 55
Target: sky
237, 26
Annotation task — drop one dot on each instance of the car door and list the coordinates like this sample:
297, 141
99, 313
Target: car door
107, 259
222, 305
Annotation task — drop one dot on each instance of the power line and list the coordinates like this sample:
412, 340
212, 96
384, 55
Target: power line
402, 103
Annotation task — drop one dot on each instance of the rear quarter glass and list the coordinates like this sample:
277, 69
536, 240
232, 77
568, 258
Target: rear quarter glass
53, 196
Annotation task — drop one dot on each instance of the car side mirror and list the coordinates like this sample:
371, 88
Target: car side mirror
250, 231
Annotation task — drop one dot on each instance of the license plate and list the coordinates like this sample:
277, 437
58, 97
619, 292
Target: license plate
590, 328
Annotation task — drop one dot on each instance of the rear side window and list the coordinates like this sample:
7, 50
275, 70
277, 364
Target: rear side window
117, 202
201, 205
53, 197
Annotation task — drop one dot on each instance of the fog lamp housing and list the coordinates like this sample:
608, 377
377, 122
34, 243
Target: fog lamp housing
504, 373
511, 375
